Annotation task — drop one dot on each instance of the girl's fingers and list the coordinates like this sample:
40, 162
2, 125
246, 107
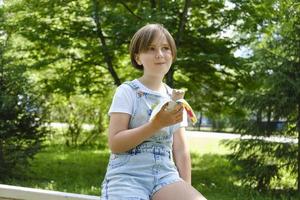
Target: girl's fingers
179, 115
178, 108
179, 118
164, 107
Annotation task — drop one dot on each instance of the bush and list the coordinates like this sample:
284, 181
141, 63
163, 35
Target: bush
21, 131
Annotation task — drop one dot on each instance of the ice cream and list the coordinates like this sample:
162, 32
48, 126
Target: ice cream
177, 97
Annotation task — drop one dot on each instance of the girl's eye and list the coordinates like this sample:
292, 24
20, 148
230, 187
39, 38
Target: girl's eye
166, 48
151, 48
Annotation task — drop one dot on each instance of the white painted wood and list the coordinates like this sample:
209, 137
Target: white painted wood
9, 192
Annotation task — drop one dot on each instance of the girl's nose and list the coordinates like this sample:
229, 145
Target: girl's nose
159, 53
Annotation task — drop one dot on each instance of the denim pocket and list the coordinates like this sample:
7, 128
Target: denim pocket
118, 160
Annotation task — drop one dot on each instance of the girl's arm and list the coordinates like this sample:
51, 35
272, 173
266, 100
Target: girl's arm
122, 139
181, 154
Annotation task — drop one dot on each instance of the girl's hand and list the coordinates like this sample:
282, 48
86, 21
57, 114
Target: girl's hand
167, 117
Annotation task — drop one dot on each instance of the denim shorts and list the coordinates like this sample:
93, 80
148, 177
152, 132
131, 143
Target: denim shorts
139, 173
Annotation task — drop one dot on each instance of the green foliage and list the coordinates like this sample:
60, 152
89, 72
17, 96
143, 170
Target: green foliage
82, 47
21, 131
85, 117
76, 52
21, 116
75, 48
269, 96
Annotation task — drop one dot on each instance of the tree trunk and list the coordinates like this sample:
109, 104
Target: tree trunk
298, 157
2, 62
200, 121
1, 153
153, 4
107, 56
1, 71
182, 22
298, 117
127, 8
269, 127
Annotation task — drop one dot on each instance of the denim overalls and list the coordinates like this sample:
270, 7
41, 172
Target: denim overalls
140, 172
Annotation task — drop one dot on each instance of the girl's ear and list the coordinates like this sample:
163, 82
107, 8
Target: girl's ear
137, 59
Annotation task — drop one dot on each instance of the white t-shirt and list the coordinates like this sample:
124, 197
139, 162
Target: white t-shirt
125, 95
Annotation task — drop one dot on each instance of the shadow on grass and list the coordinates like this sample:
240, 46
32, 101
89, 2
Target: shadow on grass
214, 177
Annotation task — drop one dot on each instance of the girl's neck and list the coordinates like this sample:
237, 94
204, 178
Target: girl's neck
153, 83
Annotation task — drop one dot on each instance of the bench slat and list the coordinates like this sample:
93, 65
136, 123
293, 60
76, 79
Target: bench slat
9, 192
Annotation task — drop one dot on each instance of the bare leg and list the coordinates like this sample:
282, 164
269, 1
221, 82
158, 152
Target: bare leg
178, 191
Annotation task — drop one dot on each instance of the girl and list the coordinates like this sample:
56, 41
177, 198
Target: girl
149, 158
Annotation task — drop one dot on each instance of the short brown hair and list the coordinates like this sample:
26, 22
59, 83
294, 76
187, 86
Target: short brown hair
142, 40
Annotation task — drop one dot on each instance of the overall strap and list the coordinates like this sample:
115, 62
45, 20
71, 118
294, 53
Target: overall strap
133, 85
140, 94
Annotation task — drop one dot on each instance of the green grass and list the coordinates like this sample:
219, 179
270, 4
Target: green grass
75, 170
207, 145
81, 170
214, 177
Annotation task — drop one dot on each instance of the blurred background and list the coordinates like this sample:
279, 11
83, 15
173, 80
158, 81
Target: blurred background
239, 60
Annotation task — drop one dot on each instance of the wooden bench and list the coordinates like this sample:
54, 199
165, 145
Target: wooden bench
9, 192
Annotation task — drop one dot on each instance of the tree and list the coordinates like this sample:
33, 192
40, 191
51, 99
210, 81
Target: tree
82, 46
270, 95
21, 113
83, 116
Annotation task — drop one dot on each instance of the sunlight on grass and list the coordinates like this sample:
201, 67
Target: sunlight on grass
207, 145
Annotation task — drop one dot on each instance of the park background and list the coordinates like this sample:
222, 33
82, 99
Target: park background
239, 60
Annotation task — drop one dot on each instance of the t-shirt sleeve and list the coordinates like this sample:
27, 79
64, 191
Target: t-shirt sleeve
123, 100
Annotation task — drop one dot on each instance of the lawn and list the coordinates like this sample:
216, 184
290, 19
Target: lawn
81, 170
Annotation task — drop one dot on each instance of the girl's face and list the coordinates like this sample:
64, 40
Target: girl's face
157, 59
